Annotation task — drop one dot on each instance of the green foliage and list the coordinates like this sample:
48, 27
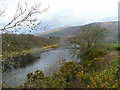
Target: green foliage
37, 80
116, 61
88, 44
90, 54
68, 70
112, 46
74, 75
55, 82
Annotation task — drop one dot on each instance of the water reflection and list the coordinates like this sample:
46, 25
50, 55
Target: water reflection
20, 62
16, 70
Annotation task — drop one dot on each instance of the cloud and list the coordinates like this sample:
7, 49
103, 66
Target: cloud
77, 12
71, 12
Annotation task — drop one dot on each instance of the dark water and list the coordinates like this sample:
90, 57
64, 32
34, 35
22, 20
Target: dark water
16, 70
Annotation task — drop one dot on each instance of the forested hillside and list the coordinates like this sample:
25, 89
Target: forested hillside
19, 42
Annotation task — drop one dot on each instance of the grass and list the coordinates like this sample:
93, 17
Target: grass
111, 46
116, 61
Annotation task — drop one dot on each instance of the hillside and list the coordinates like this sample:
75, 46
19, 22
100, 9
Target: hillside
60, 32
68, 31
14, 43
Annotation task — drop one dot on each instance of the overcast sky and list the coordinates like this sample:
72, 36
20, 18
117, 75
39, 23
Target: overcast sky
70, 12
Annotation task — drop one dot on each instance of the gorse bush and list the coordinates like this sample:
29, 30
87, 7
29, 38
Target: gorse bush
37, 80
90, 54
73, 75
91, 58
104, 79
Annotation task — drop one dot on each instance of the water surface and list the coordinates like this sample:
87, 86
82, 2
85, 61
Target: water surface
16, 71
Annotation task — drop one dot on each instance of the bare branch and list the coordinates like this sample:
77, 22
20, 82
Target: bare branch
25, 17
2, 12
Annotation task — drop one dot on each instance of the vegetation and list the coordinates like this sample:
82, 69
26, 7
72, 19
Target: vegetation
23, 43
73, 75
88, 43
99, 67
112, 46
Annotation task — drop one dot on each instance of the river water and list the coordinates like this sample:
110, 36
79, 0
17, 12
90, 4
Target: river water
48, 61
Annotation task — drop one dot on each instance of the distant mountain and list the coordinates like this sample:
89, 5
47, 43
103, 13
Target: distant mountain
69, 30
60, 32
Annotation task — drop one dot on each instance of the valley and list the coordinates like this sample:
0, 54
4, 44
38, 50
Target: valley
53, 52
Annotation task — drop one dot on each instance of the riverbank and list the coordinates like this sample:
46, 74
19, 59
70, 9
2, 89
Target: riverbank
11, 55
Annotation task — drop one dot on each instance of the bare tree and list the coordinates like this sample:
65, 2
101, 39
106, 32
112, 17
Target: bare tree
25, 17
88, 39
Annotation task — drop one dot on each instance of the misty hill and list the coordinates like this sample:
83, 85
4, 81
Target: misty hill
60, 32
69, 31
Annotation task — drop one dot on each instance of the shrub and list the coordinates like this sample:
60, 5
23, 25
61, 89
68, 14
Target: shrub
36, 75
74, 75
105, 79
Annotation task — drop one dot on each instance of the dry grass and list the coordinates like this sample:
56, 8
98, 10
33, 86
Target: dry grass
108, 59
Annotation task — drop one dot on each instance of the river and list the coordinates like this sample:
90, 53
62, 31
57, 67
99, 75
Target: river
48, 61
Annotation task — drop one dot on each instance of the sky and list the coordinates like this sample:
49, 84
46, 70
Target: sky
68, 12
